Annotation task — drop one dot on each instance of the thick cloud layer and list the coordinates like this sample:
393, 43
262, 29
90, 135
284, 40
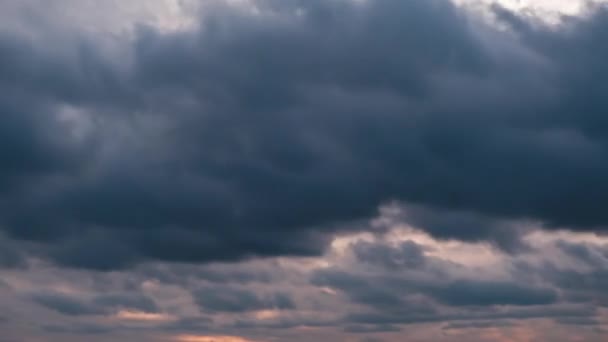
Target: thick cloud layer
384, 287
266, 129
301, 170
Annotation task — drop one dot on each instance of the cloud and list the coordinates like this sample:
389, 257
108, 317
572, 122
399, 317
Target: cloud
72, 305
10, 255
81, 329
131, 301
231, 175
226, 299
364, 329
396, 294
479, 293
295, 123
364, 286
390, 292
477, 325
407, 255
66, 305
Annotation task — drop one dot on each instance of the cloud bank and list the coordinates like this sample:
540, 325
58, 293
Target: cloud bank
235, 132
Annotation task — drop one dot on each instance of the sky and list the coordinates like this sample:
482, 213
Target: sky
303, 170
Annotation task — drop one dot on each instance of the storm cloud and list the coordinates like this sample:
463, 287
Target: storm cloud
295, 123
270, 165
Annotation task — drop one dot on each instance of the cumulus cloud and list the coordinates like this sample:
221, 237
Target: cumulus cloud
294, 121
364, 286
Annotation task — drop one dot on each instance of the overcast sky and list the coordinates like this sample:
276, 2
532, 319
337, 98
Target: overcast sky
303, 170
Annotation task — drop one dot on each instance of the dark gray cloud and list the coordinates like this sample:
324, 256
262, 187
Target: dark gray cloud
10, 255
129, 301
407, 255
484, 293
224, 273
590, 255
477, 325
66, 305
391, 293
466, 225
263, 135
580, 321
99, 305
368, 291
288, 124
367, 329
404, 318
227, 299
77, 329
190, 325
584, 283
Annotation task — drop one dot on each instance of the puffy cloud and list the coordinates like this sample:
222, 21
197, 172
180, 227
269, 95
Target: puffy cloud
289, 119
381, 286
336, 167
